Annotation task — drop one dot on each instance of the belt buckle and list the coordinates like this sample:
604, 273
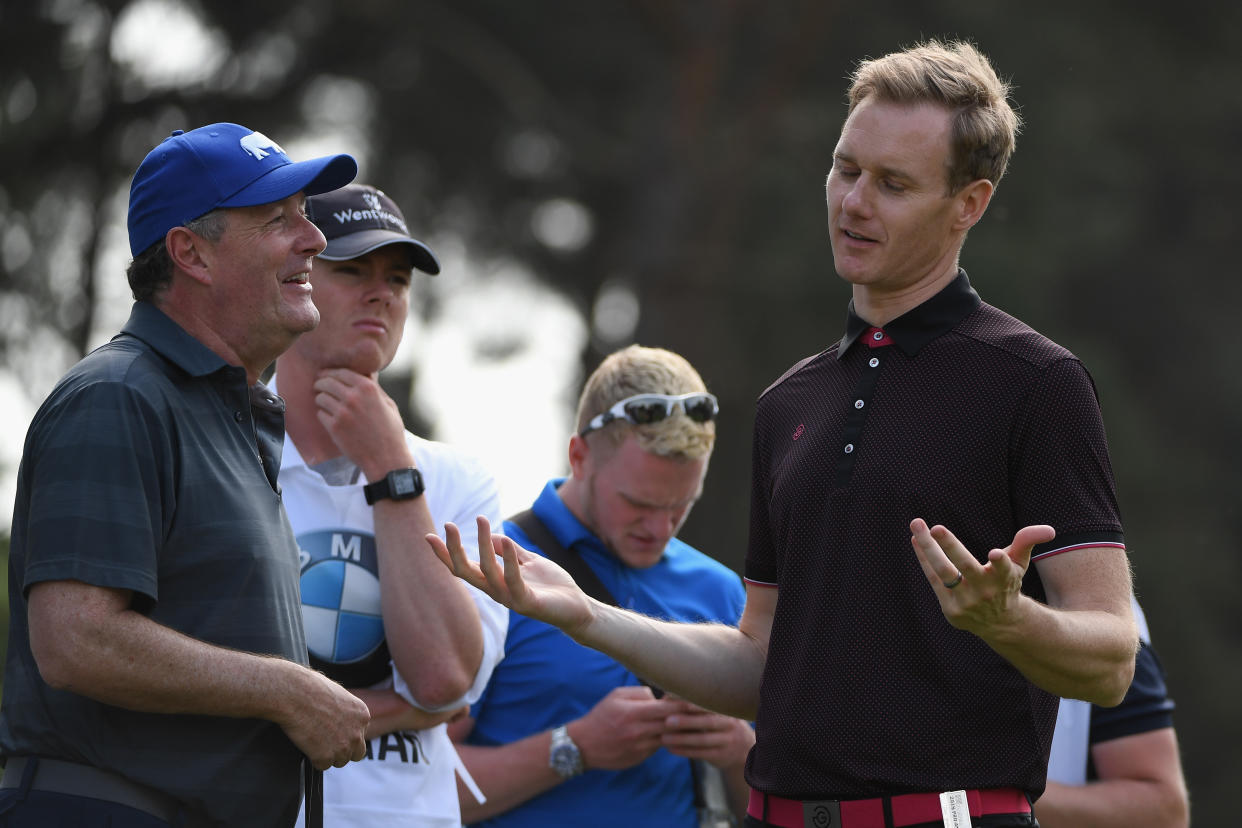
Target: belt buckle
821, 813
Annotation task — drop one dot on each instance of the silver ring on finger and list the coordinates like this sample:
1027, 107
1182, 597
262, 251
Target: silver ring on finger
954, 582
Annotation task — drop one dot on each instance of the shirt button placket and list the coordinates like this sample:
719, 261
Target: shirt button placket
875, 340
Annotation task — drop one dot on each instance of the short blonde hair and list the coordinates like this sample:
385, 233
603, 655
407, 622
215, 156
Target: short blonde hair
959, 77
640, 370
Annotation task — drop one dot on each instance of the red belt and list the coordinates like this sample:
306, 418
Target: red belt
907, 809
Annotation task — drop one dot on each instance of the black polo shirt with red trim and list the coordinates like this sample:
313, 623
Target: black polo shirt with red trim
956, 413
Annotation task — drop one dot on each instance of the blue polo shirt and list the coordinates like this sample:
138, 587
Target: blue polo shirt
546, 679
151, 467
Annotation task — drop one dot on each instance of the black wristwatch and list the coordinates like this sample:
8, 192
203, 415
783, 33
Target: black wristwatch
398, 484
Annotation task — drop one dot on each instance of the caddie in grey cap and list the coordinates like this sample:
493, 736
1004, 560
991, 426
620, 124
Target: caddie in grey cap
353, 474
359, 218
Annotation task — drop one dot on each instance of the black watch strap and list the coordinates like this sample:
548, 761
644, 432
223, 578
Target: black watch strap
398, 484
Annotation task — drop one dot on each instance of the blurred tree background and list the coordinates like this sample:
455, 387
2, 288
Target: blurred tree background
656, 171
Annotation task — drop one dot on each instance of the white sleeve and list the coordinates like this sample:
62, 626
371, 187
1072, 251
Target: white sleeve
1067, 762
473, 493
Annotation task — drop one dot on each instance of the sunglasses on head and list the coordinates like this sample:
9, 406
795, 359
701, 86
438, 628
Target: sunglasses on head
643, 409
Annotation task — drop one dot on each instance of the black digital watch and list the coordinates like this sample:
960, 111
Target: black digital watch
398, 484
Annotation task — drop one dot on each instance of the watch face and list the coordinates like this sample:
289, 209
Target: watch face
402, 483
565, 760
564, 757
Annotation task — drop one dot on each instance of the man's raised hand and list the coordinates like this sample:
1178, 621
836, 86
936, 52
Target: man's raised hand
980, 598
523, 581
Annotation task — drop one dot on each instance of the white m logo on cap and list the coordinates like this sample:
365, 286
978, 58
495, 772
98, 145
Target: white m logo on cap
257, 144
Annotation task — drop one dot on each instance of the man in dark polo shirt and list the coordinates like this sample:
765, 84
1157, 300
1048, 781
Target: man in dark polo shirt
155, 671
891, 685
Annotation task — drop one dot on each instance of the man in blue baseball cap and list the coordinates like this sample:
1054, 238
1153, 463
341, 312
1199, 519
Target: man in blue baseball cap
156, 670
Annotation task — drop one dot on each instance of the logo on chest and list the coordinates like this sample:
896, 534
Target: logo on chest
341, 606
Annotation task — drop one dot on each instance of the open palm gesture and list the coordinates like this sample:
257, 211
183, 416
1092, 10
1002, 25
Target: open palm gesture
522, 580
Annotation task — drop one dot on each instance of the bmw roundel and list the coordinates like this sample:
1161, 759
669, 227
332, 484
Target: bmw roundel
341, 606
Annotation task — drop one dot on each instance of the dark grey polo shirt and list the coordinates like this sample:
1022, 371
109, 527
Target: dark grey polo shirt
152, 467
956, 413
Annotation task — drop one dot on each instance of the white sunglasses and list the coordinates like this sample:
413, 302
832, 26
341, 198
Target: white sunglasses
643, 409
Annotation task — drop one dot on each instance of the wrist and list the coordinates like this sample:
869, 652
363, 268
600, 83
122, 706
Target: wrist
1011, 627
398, 484
564, 757
587, 632
282, 708
378, 469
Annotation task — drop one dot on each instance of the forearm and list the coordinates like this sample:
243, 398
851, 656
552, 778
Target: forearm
390, 712
120, 657
508, 775
432, 626
1140, 783
712, 665
1082, 643
435, 635
715, 666
1078, 654
1114, 803
86, 640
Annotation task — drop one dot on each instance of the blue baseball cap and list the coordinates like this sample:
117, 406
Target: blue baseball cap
220, 165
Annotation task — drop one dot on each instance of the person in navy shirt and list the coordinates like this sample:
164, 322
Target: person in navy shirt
157, 669
1118, 767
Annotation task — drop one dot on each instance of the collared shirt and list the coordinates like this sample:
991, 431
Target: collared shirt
546, 679
406, 779
151, 467
956, 413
